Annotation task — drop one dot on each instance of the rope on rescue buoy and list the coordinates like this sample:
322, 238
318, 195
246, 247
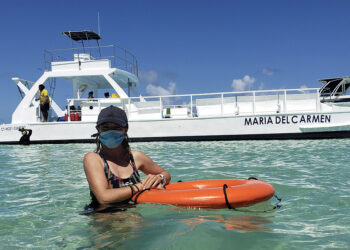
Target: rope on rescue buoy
252, 178
277, 205
137, 196
224, 187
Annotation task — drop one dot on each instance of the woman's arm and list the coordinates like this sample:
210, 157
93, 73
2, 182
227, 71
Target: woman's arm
153, 171
94, 171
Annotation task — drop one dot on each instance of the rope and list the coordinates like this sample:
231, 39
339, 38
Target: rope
252, 178
137, 196
224, 187
277, 205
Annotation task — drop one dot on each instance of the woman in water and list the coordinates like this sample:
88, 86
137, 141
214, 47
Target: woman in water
112, 171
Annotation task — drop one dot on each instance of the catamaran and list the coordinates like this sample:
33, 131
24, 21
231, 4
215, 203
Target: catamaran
265, 114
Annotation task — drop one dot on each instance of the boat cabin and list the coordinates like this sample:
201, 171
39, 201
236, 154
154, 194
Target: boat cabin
89, 69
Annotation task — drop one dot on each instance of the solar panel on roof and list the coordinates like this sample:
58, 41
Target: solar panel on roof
82, 35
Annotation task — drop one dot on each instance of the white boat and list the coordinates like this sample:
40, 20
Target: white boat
265, 114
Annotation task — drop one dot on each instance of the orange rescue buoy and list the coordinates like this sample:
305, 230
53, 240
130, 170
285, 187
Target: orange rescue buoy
209, 193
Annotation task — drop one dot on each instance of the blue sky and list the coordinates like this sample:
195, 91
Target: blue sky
185, 46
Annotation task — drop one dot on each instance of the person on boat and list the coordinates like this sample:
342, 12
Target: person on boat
113, 170
44, 101
107, 95
91, 95
25, 139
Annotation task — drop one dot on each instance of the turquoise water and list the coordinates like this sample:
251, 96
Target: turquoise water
43, 189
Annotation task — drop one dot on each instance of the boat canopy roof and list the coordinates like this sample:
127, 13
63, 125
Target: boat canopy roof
123, 78
331, 79
82, 35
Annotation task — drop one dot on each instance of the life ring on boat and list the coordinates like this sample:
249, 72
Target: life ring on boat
209, 193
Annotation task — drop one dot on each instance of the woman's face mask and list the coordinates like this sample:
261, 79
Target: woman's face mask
112, 138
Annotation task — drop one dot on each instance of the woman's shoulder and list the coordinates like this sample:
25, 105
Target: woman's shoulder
141, 157
91, 158
138, 154
91, 155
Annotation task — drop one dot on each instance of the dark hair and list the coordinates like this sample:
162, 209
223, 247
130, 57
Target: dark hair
41, 87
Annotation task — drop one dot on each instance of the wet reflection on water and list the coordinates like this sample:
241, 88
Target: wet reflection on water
112, 229
237, 223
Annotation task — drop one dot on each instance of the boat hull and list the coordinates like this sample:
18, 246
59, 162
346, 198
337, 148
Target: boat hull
257, 127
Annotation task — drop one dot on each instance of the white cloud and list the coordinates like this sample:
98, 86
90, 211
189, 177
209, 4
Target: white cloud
243, 84
268, 71
148, 76
154, 90
303, 86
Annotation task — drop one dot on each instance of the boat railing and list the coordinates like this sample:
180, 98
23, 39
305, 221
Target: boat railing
118, 56
200, 105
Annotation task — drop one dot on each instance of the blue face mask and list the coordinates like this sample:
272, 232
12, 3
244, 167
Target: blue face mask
112, 138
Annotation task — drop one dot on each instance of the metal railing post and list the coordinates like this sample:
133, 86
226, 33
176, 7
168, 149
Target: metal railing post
114, 57
318, 104
191, 106
222, 103
237, 108
126, 61
285, 101
161, 106
253, 102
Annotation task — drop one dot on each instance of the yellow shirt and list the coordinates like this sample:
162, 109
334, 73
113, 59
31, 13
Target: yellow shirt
42, 95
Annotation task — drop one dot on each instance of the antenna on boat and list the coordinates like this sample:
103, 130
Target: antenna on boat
98, 23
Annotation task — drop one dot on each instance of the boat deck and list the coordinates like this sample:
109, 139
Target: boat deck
204, 105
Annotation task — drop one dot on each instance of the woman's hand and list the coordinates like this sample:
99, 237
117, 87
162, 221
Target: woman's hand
156, 177
139, 187
152, 181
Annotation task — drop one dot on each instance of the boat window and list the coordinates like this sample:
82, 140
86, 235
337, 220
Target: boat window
329, 87
347, 88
